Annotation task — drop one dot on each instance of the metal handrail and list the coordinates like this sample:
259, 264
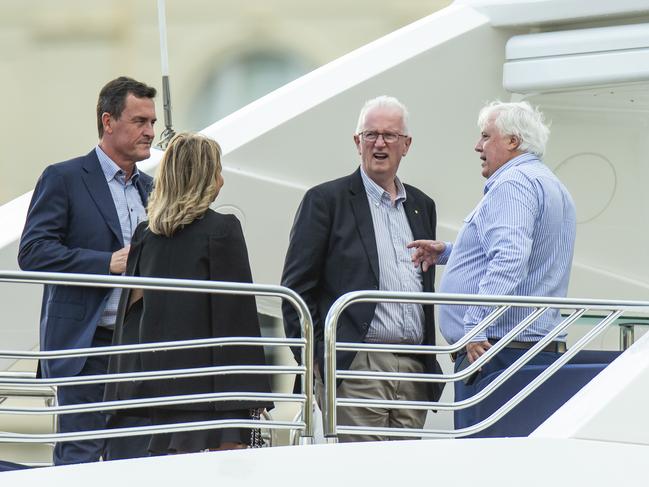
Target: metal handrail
147, 430
474, 367
615, 308
148, 347
162, 374
155, 401
181, 285
483, 394
29, 391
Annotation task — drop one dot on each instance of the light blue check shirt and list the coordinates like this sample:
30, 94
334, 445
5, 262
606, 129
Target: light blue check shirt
393, 322
519, 241
130, 212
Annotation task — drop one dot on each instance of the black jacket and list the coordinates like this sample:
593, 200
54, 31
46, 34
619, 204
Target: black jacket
332, 251
210, 248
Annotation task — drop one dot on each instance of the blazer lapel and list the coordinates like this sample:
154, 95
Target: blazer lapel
144, 186
95, 181
420, 231
361, 211
414, 215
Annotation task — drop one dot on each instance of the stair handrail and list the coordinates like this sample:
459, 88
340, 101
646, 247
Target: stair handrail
181, 285
615, 309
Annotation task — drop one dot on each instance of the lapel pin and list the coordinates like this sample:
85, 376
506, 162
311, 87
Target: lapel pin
416, 212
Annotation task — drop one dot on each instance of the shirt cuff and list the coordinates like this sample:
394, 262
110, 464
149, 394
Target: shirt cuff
480, 337
443, 257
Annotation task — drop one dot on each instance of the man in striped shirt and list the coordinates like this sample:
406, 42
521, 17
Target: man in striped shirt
351, 234
518, 240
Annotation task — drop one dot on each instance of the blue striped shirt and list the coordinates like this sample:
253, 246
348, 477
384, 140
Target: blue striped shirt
393, 322
130, 212
518, 241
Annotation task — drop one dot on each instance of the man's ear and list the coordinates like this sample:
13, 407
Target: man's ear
106, 122
407, 148
514, 143
357, 141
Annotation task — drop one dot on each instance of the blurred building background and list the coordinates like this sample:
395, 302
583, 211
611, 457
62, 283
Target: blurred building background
55, 56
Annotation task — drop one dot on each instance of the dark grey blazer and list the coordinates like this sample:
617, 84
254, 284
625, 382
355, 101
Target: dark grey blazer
332, 251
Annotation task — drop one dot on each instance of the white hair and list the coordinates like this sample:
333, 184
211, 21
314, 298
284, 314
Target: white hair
383, 101
520, 120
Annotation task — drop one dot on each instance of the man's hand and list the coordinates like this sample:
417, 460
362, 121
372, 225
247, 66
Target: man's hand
118, 261
475, 349
426, 252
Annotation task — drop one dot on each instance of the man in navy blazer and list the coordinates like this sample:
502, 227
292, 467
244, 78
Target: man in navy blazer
351, 234
80, 220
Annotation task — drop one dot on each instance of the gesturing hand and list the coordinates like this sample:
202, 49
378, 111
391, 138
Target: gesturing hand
426, 252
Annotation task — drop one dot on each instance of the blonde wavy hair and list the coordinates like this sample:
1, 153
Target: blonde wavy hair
185, 184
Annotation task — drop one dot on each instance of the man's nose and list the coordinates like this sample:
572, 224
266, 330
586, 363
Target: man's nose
380, 141
149, 131
478, 146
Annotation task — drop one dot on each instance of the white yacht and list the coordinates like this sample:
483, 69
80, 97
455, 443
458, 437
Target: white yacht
585, 63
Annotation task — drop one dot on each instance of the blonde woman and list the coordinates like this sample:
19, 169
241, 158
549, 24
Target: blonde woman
183, 238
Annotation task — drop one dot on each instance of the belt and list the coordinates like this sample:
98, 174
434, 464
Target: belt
554, 347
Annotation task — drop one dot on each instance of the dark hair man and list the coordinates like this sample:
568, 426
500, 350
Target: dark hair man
80, 220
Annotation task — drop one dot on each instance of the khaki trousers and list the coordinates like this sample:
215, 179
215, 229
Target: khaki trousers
379, 389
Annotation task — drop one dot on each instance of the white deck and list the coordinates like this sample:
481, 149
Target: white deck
512, 462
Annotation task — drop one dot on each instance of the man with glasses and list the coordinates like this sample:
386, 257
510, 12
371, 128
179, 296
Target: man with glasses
351, 234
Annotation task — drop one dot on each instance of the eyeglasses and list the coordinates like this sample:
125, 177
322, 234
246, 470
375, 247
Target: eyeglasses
388, 137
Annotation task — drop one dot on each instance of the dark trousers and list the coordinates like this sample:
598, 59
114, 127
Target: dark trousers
68, 452
502, 360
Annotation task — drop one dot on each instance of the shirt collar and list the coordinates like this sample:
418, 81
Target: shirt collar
110, 169
376, 192
524, 158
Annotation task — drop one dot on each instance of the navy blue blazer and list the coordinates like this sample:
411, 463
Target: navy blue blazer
72, 226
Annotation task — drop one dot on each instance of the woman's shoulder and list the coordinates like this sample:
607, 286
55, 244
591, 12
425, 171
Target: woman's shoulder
141, 232
212, 216
218, 224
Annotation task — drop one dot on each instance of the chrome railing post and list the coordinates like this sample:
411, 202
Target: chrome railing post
329, 416
627, 335
306, 324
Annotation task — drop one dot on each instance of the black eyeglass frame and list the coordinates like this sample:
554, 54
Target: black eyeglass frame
364, 135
